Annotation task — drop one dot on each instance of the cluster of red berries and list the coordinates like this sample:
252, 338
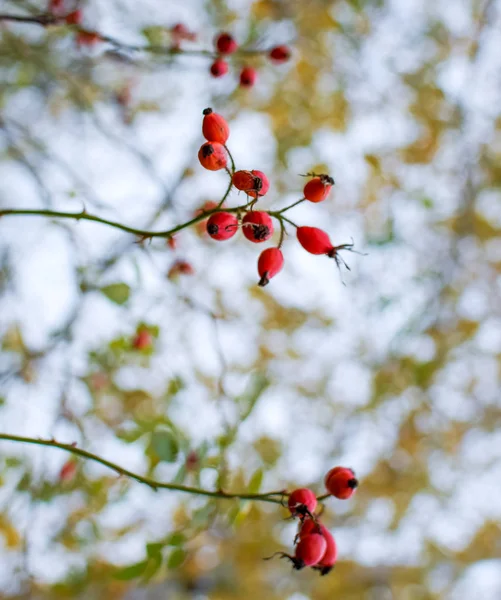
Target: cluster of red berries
315, 545
62, 14
225, 45
257, 225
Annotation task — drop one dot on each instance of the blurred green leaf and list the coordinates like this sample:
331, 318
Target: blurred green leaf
117, 292
255, 482
165, 445
131, 572
176, 558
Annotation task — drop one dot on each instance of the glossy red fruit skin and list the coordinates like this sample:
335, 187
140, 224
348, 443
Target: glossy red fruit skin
253, 183
222, 226
270, 263
318, 188
329, 558
214, 127
280, 54
212, 156
248, 76
74, 18
341, 482
257, 226
219, 68
226, 44
302, 501
309, 551
314, 240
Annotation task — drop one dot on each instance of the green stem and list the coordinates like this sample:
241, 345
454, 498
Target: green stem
275, 214
291, 206
44, 19
155, 485
231, 159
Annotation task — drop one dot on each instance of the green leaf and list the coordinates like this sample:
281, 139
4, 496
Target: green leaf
154, 564
257, 386
255, 482
154, 549
131, 572
117, 292
176, 558
165, 445
155, 35
176, 539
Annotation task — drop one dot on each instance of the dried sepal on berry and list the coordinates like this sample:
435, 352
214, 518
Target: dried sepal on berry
257, 226
222, 226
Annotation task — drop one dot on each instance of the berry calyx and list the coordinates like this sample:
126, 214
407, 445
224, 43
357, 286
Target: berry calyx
280, 54
214, 127
270, 263
225, 43
257, 226
222, 226
318, 188
219, 68
212, 156
248, 76
302, 502
341, 482
253, 183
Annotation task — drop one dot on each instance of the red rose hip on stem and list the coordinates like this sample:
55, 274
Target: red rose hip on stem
270, 263
318, 188
309, 551
341, 482
225, 43
280, 54
212, 156
214, 127
222, 226
253, 183
219, 68
248, 76
314, 240
143, 340
301, 502
257, 226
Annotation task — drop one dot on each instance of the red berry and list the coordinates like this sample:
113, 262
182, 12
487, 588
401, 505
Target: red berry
219, 68
74, 18
214, 127
180, 267
309, 551
329, 558
226, 44
222, 226
318, 188
253, 183
257, 226
314, 240
172, 242
212, 156
248, 77
68, 470
143, 340
301, 502
341, 482
269, 264
280, 54
88, 38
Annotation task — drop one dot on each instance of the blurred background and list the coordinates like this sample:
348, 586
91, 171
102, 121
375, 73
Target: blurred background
396, 374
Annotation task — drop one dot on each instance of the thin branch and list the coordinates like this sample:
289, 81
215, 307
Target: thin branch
44, 19
155, 485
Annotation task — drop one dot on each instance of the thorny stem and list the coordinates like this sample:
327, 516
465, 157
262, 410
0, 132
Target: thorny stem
46, 19
155, 485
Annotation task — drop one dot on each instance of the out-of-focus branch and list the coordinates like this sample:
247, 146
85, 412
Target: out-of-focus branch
274, 497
